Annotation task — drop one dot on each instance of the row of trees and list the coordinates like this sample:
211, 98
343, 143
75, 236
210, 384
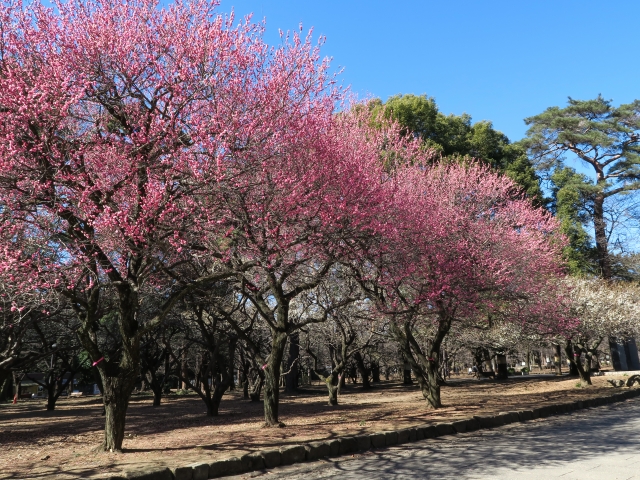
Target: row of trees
199, 351
176, 195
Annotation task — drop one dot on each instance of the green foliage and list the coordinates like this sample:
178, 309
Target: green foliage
595, 131
417, 114
457, 139
605, 138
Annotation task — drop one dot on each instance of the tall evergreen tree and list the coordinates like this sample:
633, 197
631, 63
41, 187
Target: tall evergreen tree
604, 137
570, 203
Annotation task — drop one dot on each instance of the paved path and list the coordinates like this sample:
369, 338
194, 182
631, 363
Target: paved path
597, 444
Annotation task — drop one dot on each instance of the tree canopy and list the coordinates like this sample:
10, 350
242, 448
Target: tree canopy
455, 136
606, 138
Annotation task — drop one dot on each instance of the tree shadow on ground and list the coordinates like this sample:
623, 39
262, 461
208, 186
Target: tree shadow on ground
77, 425
566, 438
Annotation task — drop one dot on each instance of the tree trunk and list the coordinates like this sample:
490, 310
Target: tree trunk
119, 375
272, 380
51, 398
375, 372
231, 368
291, 379
117, 391
601, 236
558, 360
364, 373
333, 393
431, 363
574, 354
501, 364
244, 373
184, 368
433, 386
585, 375
254, 394
424, 366
156, 387
406, 371
6, 381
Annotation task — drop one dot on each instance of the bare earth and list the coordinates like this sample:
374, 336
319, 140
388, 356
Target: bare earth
60, 444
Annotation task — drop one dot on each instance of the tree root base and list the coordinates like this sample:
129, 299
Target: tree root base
273, 425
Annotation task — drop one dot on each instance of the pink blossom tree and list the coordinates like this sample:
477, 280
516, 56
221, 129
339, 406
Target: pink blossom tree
294, 214
464, 245
122, 123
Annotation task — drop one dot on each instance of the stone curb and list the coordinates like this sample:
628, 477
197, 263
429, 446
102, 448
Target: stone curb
290, 454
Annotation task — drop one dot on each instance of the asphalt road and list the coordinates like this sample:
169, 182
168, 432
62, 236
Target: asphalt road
595, 444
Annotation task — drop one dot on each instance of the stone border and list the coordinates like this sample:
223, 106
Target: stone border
290, 454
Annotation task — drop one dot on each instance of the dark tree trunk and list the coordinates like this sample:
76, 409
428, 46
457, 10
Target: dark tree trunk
601, 236
375, 372
184, 369
425, 365
291, 378
245, 368
558, 360
501, 364
574, 354
156, 387
117, 391
6, 382
364, 372
119, 375
573, 369
51, 399
6, 389
406, 371
222, 385
272, 380
256, 388
478, 358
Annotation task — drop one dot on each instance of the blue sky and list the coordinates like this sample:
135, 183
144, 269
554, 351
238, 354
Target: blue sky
496, 60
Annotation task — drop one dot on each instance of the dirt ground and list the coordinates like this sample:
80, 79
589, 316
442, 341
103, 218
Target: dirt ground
59, 444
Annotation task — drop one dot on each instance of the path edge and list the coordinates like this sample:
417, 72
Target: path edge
347, 445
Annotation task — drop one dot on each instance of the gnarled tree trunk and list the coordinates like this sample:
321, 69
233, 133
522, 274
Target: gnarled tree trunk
424, 365
272, 379
574, 352
364, 372
116, 393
